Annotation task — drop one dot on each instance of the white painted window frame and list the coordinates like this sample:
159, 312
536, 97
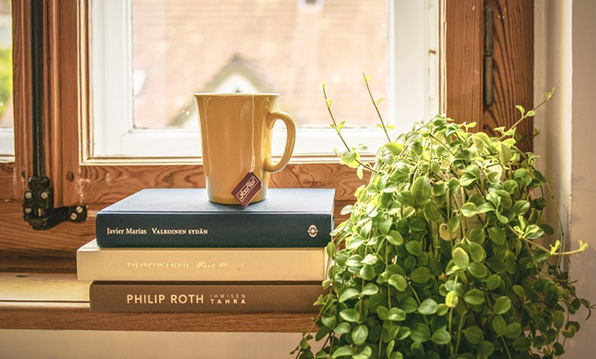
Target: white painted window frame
413, 93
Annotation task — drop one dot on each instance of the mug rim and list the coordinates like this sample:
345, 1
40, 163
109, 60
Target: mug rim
224, 94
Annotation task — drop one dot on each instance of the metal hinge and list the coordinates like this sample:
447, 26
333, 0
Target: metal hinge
488, 56
38, 206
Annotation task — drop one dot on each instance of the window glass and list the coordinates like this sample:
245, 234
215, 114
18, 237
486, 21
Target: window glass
285, 46
6, 107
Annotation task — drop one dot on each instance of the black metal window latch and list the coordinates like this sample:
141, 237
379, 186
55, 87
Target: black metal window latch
38, 203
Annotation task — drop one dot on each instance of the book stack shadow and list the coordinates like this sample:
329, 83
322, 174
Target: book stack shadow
171, 250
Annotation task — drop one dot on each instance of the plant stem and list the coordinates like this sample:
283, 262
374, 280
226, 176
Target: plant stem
543, 247
376, 108
524, 116
506, 348
327, 102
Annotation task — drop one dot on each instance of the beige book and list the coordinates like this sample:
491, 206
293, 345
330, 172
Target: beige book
200, 264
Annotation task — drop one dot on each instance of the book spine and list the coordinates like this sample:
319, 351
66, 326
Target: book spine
203, 298
210, 264
126, 229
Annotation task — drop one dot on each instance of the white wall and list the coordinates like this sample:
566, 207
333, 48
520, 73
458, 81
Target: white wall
566, 58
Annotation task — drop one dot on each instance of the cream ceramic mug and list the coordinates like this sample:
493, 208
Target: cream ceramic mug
236, 139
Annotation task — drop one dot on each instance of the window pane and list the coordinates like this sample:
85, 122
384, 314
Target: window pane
286, 46
6, 107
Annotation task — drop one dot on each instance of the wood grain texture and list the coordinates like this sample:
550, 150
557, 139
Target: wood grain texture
60, 302
17, 238
7, 173
464, 60
107, 184
22, 95
77, 316
513, 72
72, 49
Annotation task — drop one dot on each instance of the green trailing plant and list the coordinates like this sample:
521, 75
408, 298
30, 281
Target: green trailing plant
441, 256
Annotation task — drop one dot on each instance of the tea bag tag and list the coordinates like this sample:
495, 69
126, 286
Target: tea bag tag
247, 189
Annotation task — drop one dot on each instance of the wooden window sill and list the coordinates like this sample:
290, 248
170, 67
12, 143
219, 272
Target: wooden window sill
58, 301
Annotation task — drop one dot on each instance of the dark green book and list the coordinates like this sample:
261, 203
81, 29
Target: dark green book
184, 217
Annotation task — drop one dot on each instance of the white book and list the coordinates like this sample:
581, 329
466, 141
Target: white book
200, 264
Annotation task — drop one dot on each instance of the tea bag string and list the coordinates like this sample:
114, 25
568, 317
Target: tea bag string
252, 137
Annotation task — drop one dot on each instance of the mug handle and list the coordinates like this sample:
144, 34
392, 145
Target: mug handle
291, 138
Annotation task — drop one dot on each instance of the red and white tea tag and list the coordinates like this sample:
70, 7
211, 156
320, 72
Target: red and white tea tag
247, 189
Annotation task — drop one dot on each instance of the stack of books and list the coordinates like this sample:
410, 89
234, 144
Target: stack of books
171, 250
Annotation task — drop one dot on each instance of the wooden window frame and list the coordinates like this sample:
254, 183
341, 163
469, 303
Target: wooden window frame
76, 180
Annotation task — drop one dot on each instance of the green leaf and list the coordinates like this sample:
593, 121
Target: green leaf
398, 281
485, 348
496, 264
521, 207
343, 328
519, 291
409, 305
348, 293
428, 307
558, 319
522, 344
431, 211
499, 325
513, 331
477, 235
478, 270
359, 334
539, 203
451, 299
420, 275
330, 249
486, 207
473, 334
477, 252
454, 223
370, 259
502, 305
395, 238
453, 185
350, 315
541, 255
360, 172
493, 282
329, 322
364, 353
342, 351
417, 224
497, 235
469, 209
414, 247
474, 297
370, 289
383, 312
394, 147
441, 337
421, 190
420, 332
367, 272
460, 258
396, 315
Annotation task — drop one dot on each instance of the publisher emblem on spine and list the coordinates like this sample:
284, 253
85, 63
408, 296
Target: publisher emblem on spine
312, 231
